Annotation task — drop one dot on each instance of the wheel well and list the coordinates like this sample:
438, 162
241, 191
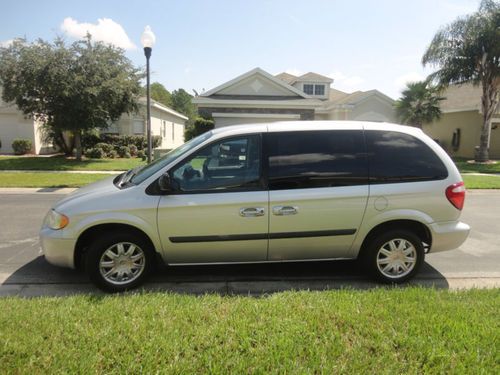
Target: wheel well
413, 226
89, 234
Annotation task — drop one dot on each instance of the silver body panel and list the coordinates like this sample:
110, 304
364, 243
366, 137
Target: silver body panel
337, 209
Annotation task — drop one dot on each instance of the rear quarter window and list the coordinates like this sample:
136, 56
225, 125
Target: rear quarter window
398, 157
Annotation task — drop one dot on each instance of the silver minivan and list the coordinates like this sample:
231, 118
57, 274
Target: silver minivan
293, 191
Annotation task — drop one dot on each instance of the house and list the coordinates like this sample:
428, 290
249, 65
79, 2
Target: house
165, 122
258, 96
459, 129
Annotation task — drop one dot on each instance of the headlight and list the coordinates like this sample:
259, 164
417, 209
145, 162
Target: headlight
55, 220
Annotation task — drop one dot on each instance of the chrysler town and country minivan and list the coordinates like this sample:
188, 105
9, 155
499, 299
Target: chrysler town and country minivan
310, 190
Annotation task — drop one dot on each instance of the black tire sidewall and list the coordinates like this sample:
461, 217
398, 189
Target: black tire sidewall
97, 248
381, 239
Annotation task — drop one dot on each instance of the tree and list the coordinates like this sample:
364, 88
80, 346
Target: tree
77, 88
419, 104
182, 102
468, 50
200, 126
161, 94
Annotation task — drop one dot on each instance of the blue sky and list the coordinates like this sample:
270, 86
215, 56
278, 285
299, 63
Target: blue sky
200, 44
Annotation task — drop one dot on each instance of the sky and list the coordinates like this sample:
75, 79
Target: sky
360, 44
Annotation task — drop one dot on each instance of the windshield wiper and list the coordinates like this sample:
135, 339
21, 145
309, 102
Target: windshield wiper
127, 176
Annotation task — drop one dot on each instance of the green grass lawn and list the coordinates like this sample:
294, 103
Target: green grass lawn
60, 163
481, 182
465, 167
52, 180
390, 331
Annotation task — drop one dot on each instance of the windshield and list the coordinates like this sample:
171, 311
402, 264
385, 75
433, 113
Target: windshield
150, 169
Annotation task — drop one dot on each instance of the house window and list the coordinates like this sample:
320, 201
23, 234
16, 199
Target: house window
173, 131
138, 127
309, 89
319, 89
164, 129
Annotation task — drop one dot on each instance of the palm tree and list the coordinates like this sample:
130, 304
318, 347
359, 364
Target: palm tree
468, 50
419, 104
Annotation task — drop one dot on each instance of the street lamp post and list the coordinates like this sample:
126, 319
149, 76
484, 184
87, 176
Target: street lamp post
148, 40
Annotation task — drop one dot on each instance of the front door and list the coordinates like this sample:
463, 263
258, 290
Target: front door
219, 209
318, 182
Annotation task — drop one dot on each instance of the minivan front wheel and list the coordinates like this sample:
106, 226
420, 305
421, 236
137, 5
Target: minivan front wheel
118, 262
395, 256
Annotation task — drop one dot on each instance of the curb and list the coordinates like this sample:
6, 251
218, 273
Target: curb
37, 190
244, 288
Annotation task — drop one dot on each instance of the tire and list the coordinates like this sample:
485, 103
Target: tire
395, 256
119, 261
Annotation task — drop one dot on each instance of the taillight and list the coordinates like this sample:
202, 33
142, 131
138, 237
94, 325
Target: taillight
456, 194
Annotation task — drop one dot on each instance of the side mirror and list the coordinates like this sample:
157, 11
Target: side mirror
165, 183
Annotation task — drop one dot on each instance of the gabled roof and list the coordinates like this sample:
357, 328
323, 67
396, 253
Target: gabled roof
163, 108
314, 77
287, 77
261, 72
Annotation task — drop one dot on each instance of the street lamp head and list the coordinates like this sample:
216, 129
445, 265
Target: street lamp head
148, 38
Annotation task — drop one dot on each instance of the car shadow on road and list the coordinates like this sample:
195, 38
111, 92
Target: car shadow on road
39, 278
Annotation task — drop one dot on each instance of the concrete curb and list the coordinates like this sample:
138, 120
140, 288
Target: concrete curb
60, 172
36, 190
249, 288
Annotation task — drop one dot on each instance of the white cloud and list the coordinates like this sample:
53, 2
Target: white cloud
106, 30
346, 83
6, 43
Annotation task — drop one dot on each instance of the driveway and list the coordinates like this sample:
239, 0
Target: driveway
24, 272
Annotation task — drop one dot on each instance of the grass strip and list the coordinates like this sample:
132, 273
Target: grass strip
481, 182
61, 163
48, 180
408, 330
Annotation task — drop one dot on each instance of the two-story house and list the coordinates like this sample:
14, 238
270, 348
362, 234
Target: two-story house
258, 96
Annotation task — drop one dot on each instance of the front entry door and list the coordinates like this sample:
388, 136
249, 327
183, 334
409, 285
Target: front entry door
219, 209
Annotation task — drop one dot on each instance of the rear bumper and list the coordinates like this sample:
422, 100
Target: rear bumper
58, 251
448, 235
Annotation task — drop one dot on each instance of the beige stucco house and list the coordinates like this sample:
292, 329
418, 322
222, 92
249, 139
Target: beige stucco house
258, 96
165, 122
459, 128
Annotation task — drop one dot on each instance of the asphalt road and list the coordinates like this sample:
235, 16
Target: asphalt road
24, 272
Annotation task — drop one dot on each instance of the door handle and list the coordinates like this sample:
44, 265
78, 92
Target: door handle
252, 211
285, 210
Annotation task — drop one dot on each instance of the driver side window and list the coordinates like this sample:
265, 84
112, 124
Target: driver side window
228, 164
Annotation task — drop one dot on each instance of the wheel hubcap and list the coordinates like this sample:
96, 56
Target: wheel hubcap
396, 258
122, 263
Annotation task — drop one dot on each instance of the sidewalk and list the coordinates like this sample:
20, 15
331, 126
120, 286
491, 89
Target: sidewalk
50, 171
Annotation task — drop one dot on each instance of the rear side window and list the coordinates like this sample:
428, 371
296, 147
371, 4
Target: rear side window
316, 159
398, 157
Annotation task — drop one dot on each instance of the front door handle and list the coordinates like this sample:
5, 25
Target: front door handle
285, 210
252, 211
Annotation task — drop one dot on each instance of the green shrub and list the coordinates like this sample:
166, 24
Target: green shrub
133, 149
123, 150
156, 141
141, 154
21, 146
106, 147
95, 153
200, 126
112, 154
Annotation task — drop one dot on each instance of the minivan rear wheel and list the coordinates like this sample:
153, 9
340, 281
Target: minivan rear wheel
395, 256
118, 262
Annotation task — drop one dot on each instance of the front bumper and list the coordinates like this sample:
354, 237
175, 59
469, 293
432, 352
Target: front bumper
57, 250
448, 235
